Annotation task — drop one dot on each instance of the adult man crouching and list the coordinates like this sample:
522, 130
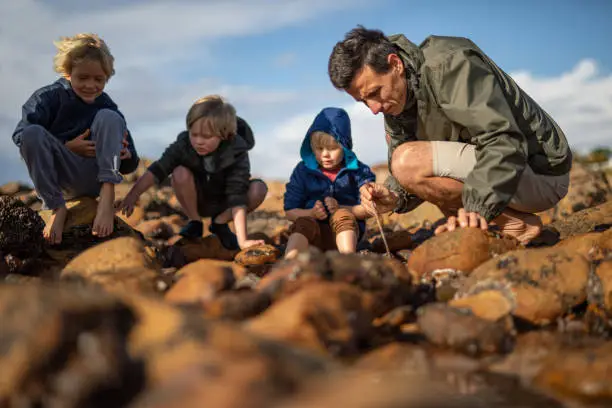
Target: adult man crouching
461, 133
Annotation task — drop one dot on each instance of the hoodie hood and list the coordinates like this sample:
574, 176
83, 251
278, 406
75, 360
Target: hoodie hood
335, 122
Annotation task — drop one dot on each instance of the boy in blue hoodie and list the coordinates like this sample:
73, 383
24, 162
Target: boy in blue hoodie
322, 196
73, 138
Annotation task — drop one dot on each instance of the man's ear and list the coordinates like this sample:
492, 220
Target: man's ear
396, 63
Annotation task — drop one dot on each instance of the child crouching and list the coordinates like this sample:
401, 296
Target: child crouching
210, 169
322, 196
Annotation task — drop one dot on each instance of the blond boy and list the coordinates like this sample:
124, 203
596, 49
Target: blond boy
72, 136
210, 168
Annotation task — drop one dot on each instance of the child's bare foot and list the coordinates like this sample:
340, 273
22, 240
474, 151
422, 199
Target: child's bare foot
522, 226
105, 216
55, 227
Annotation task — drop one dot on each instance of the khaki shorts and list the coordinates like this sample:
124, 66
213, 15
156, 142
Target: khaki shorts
535, 192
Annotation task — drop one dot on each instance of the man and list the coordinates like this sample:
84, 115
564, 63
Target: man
461, 133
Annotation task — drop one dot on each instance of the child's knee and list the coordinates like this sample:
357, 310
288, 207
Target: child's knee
308, 227
33, 135
108, 115
182, 175
258, 189
343, 220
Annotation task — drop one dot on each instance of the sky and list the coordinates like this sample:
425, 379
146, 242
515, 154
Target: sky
269, 58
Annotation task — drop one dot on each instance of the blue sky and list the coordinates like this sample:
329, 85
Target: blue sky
269, 57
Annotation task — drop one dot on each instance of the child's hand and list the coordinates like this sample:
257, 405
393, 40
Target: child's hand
332, 204
82, 147
126, 206
125, 152
318, 211
250, 242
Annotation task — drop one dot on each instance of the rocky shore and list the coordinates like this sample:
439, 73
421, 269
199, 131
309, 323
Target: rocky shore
145, 318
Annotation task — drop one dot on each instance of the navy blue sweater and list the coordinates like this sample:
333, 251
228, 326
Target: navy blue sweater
57, 108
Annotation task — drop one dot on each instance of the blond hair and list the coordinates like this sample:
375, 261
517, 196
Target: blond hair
218, 114
84, 46
319, 139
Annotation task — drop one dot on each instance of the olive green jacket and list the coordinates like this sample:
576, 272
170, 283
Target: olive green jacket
456, 93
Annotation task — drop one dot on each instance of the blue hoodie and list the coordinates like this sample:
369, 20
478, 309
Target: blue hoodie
308, 183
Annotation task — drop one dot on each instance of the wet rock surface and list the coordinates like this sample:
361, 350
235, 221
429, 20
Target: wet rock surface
146, 318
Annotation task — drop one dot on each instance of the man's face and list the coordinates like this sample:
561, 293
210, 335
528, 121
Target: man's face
384, 93
88, 80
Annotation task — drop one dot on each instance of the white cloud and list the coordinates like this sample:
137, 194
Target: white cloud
285, 60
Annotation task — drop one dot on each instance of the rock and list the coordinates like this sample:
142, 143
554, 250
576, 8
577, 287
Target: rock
202, 280
387, 280
13, 188
21, 229
397, 240
461, 329
187, 251
545, 282
582, 375
237, 305
69, 348
156, 229
583, 221
586, 244
257, 259
462, 250
65, 348
487, 303
77, 236
121, 264
326, 316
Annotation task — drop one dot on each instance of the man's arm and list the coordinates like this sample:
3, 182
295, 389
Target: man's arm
470, 95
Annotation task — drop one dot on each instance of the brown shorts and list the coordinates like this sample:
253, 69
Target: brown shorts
322, 234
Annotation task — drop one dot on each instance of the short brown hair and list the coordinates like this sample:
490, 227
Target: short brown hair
84, 46
219, 114
322, 139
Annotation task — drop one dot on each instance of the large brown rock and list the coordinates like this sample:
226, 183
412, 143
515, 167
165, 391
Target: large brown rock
461, 329
121, 264
587, 220
325, 317
462, 250
545, 282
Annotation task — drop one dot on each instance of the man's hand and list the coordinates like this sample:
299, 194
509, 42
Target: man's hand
376, 198
125, 152
463, 219
82, 147
318, 211
332, 204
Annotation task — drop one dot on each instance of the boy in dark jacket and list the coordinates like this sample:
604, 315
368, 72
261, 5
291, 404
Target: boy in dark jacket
73, 138
322, 196
210, 169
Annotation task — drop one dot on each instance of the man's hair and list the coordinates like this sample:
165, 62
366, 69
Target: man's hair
220, 116
322, 139
85, 46
360, 47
